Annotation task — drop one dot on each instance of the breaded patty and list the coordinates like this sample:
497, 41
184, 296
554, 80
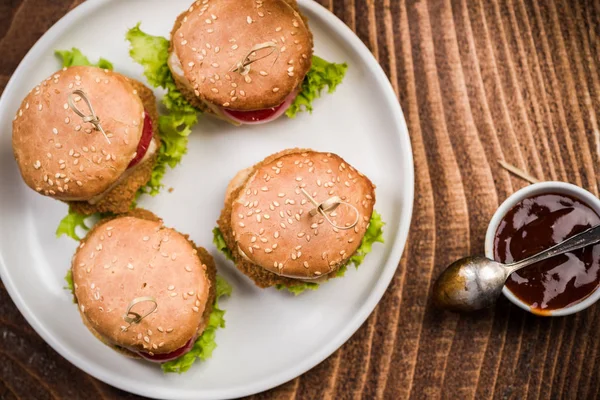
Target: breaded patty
203, 255
119, 199
261, 277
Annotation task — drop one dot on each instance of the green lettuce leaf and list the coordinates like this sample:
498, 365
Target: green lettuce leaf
151, 52
70, 286
374, 234
219, 242
299, 288
205, 344
74, 57
69, 224
321, 74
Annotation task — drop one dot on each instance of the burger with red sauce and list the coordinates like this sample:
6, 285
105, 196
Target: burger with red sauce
243, 61
143, 289
89, 137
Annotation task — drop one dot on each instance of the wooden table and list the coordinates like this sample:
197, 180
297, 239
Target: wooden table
479, 81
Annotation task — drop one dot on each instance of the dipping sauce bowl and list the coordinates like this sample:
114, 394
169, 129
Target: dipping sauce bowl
534, 219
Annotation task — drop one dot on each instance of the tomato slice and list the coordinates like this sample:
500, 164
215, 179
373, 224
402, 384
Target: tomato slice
261, 116
145, 140
160, 358
255, 116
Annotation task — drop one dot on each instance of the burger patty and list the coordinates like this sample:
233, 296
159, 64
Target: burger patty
261, 277
211, 272
118, 200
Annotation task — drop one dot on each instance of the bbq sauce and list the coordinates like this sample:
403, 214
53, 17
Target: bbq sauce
535, 224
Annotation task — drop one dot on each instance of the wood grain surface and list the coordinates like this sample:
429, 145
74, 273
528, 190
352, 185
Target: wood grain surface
479, 81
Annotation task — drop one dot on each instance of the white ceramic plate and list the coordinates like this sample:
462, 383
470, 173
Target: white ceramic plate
271, 337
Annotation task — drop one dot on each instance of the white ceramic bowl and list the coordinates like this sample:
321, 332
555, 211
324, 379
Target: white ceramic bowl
529, 191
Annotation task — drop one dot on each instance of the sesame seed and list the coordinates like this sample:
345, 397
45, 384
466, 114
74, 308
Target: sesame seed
173, 294
301, 234
196, 309
171, 287
275, 89
249, 19
188, 268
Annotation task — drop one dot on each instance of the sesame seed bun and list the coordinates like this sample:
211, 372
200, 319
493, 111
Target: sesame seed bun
267, 223
210, 39
63, 157
135, 256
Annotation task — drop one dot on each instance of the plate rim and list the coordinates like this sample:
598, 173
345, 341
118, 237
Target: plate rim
377, 291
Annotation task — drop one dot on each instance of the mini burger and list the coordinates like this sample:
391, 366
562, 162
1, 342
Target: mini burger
89, 137
243, 61
298, 218
145, 290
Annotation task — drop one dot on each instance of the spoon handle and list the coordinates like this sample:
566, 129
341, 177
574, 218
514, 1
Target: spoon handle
586, 238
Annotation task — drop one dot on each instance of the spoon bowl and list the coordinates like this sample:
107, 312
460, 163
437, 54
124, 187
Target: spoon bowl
470, 284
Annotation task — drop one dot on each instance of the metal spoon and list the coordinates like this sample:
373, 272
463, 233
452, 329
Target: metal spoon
473, 283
